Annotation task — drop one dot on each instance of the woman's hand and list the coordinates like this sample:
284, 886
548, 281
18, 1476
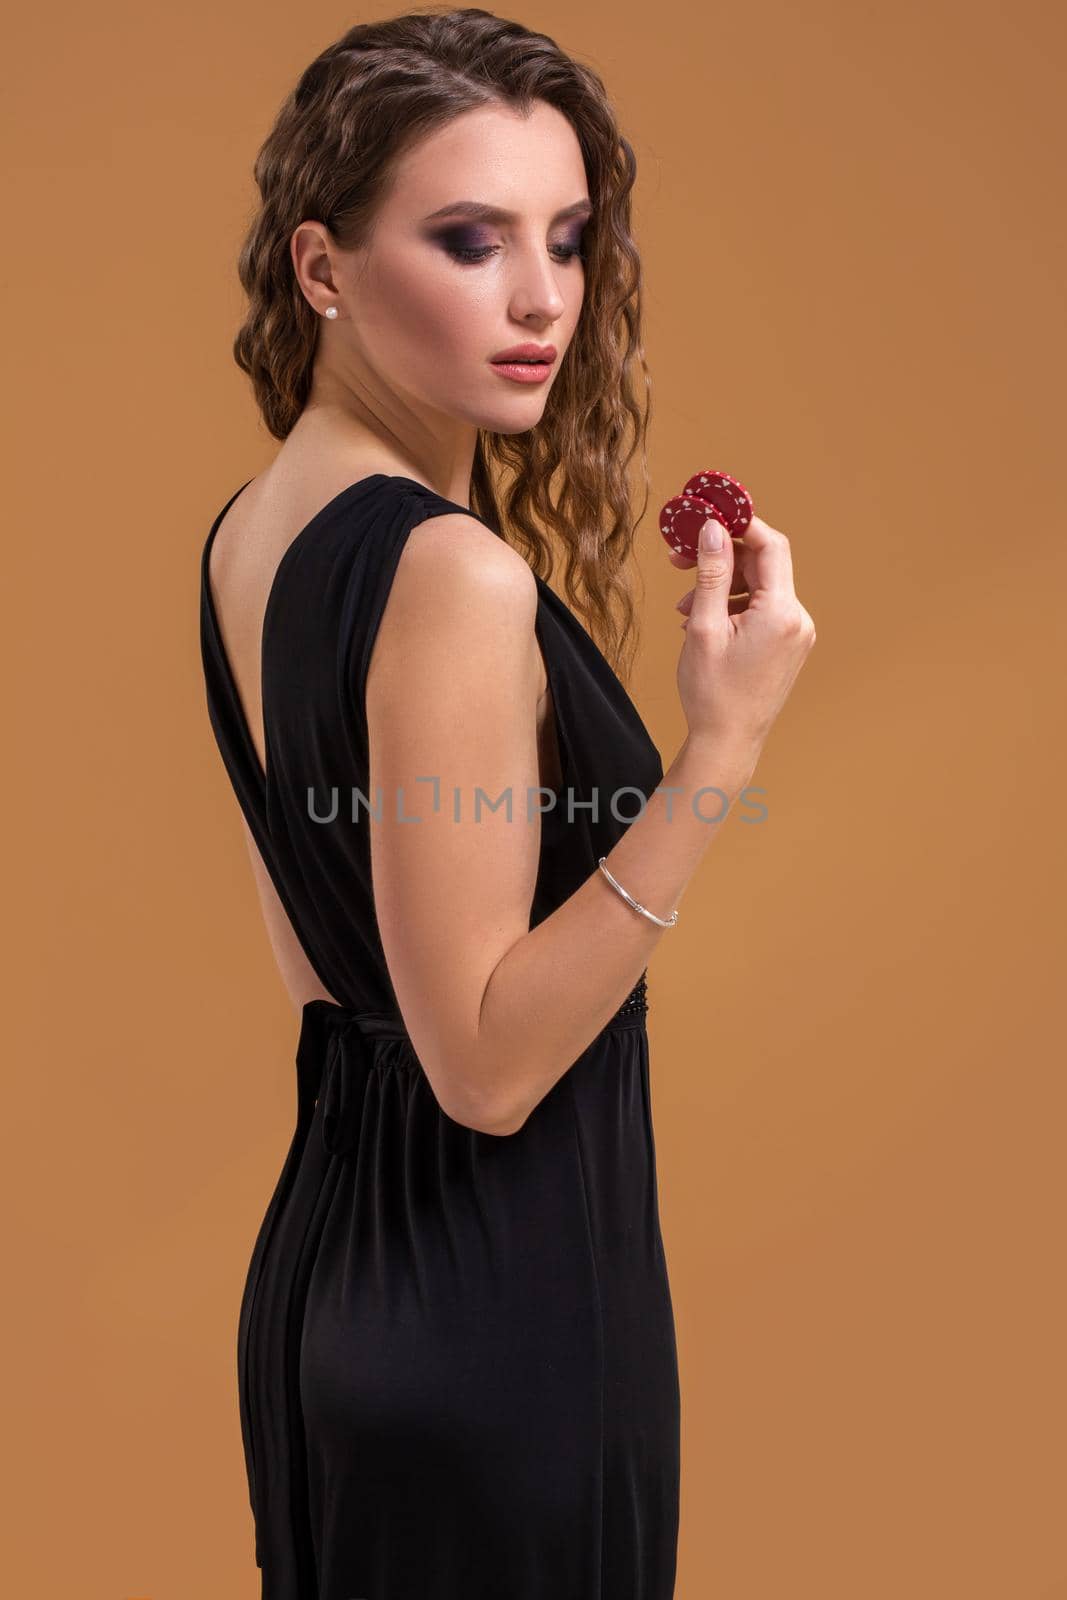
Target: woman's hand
746, 634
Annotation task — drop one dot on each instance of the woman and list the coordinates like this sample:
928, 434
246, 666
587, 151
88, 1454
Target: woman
456, 1353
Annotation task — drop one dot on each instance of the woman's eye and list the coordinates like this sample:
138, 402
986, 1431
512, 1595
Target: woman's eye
472, 253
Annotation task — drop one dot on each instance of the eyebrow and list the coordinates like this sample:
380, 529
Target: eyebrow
486, 213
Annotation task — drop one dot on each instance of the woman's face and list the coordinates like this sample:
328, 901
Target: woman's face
437, 294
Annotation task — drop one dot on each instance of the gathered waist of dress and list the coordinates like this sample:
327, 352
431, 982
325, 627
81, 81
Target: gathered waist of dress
386, 1025
336, 1039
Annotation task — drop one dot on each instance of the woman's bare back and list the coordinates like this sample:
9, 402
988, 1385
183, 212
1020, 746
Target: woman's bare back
251, 539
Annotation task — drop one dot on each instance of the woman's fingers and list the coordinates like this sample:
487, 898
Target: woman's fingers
766, 560
738, 589
762, 560
685, 564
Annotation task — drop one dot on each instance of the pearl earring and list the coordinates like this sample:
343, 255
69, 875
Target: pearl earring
331, 311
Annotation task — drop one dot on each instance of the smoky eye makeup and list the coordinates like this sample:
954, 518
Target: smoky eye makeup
469, 243
464, 240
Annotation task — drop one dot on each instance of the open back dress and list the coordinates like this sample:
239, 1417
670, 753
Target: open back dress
456, 1351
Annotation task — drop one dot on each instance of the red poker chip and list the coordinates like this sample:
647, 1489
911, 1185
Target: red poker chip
706, 494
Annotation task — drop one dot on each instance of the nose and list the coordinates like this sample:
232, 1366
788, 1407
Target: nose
535, 291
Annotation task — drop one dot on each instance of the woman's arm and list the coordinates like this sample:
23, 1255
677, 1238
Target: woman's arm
497, 1012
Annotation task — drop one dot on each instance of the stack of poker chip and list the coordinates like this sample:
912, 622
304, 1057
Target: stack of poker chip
707, 494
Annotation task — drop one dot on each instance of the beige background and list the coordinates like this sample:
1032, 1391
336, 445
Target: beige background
853, 243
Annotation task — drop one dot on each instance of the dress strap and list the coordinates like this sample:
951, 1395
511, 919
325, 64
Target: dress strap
223, 702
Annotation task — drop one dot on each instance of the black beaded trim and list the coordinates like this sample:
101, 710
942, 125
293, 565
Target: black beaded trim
637, 999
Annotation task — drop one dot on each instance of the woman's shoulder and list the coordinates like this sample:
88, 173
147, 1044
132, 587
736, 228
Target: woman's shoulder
458, 587
454, 548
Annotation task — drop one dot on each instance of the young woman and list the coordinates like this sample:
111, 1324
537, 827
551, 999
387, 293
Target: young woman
456, 1353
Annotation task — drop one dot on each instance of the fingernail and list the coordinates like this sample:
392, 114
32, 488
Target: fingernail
711, 534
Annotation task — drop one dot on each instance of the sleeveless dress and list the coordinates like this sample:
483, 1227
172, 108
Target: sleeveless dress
456, 1356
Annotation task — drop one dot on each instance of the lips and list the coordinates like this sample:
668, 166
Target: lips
523, 354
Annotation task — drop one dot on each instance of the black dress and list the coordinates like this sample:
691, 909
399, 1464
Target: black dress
456, 1351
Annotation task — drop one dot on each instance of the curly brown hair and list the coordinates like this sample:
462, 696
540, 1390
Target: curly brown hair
365, 100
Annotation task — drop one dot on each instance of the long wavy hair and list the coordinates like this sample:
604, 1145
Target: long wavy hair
366, 99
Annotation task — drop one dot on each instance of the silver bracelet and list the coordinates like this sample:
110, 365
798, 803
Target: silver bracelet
669, 923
